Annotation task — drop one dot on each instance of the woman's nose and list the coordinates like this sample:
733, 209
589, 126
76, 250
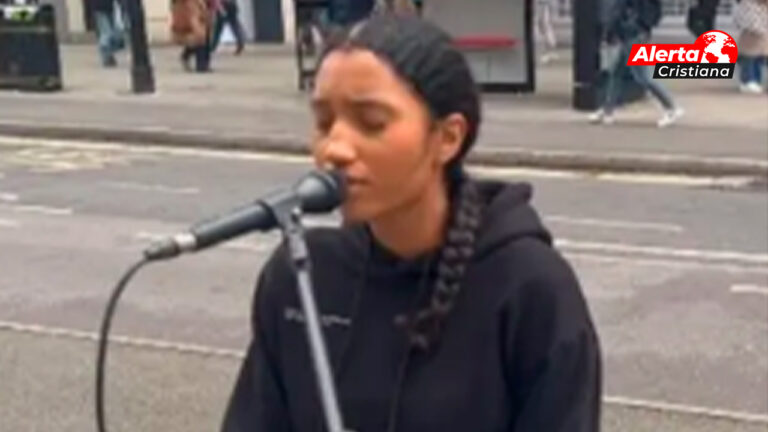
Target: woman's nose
338, 150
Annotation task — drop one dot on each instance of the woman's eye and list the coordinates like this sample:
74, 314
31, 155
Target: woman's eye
373, 123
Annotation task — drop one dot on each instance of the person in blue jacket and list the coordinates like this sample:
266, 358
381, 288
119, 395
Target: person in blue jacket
444, 305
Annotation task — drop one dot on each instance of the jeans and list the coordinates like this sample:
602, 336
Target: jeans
202, 54
231, 16
641, 74
111, 36
751, 69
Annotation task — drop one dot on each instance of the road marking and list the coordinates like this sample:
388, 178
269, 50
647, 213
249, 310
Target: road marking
7, 223
8, 197
153, 188
498, 172
152, 344
52, 211
680, 265
208, 351
619, 224
659, 251
686, 409
749, 289
157, 149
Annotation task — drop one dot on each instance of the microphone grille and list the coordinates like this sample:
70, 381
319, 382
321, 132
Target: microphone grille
321, 191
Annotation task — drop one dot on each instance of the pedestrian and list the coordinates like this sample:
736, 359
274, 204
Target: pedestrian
751, 19
344, 13
191, 22
545, 10
630, 22
229, 14
445, 306
111, 35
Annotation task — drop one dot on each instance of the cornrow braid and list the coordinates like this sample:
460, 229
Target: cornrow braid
425, 326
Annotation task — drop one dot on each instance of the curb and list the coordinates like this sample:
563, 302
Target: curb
514, 157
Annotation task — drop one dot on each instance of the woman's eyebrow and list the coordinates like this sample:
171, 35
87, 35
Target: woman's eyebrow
370, 102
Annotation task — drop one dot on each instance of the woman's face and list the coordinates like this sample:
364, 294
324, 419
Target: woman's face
371, 125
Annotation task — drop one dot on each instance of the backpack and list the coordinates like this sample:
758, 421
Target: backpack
649, 13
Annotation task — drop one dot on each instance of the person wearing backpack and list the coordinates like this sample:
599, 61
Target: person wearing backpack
626, 23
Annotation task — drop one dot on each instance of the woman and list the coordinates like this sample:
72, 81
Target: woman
445, 307
751, 18
191, 22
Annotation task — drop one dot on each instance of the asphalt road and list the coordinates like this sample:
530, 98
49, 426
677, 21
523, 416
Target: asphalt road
675, 271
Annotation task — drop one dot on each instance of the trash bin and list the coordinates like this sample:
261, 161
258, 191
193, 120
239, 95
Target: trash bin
29, 49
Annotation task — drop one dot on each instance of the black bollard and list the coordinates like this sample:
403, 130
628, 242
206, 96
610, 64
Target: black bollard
142, 77
586, 61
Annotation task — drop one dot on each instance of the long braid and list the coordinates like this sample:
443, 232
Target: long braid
425, 327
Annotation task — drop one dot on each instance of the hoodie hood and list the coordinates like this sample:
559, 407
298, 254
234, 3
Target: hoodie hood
507, 216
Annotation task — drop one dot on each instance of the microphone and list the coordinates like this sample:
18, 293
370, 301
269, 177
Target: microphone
316, 192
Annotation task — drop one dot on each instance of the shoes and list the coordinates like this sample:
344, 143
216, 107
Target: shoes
109, 62
239, 49
670, 117
600, 116
751, 88
549, 57
185, 64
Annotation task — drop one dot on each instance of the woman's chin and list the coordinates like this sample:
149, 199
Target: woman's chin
353, 213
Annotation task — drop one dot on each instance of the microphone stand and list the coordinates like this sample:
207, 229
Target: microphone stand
288, 216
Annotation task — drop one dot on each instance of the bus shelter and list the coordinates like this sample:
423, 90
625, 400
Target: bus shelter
495, 35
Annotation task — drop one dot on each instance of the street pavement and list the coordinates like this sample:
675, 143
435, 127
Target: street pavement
675, 270
252, 102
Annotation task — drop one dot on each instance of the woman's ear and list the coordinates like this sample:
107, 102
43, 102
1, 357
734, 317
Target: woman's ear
451, 132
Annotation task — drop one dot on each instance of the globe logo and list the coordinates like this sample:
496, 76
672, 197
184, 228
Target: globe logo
717, 47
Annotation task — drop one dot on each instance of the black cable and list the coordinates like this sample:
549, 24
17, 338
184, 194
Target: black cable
106, 323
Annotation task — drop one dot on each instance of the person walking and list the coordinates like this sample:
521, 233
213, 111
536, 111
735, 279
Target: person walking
229, 14
545, 32
191, 22
751, 19
630, 22
111, 35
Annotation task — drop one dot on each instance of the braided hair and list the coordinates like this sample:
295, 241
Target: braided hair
423, 55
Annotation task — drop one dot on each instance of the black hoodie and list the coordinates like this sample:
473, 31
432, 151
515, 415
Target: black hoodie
518, 352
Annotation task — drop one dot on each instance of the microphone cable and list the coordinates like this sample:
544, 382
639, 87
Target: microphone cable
106, 323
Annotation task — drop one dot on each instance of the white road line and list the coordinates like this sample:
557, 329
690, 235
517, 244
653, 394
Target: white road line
659, 251
52, 211
207, 351
687, 409
153, 188
7, 223
8, 197
619, 224
682, 265
749, 289
156, 149
733, 181
121, 340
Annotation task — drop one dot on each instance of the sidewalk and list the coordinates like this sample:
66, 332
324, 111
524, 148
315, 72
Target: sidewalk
251, 102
